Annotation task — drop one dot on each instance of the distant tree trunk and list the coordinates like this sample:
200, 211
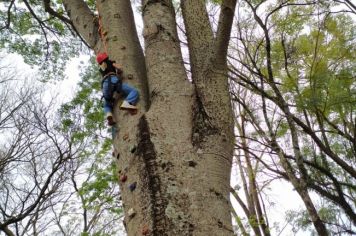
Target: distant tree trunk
178, 148
259, 221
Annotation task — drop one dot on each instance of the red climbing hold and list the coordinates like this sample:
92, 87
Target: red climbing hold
123, 178
133, 112
145, 230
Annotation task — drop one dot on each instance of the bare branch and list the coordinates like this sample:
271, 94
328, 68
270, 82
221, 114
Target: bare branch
8, 21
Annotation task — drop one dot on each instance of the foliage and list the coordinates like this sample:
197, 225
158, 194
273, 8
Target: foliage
293, 69
42, 41
83, 194
84, 117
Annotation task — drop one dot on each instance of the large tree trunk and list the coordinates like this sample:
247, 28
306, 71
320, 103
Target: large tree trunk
178, 148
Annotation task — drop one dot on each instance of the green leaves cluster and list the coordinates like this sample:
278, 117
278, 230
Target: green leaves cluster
98, 191
321, 63
83, 115
301, 219
83, 118
43, 41
295, 73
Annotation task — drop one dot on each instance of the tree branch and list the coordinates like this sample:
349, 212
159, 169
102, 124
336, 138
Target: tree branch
83, 21
196, 19
49, 10
7, 25
224, 30
65, 20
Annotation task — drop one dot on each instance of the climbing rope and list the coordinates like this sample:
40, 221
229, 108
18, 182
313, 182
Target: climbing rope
101, 31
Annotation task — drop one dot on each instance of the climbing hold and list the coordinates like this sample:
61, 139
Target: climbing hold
125, 137
133, 149
123, 178
131, 213
130, 76
224, 137
192, 163
133, 112
132, 186
145, 230
118, 156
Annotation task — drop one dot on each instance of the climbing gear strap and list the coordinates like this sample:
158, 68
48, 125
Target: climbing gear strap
112, 87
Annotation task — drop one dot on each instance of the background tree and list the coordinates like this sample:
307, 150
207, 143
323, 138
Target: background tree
296, 65
93, 175
33, 162
49, 175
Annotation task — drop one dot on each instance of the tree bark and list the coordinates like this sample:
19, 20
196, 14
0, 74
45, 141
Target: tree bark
177, 164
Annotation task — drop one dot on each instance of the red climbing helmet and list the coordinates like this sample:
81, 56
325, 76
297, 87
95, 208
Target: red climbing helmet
101, 57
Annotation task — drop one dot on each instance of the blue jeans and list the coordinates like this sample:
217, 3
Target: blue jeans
130, 92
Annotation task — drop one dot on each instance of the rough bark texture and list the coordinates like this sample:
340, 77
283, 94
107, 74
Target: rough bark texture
178, 151
83, 20
213, 125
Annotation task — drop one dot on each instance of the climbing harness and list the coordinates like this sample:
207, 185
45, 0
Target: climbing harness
112, 87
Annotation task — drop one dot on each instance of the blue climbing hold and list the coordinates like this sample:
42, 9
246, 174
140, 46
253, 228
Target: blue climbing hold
132, 186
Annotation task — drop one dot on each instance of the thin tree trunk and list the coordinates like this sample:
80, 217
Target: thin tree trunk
239, 222
252, 179
7, 231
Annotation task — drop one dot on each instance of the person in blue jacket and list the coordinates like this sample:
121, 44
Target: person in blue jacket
112, 87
